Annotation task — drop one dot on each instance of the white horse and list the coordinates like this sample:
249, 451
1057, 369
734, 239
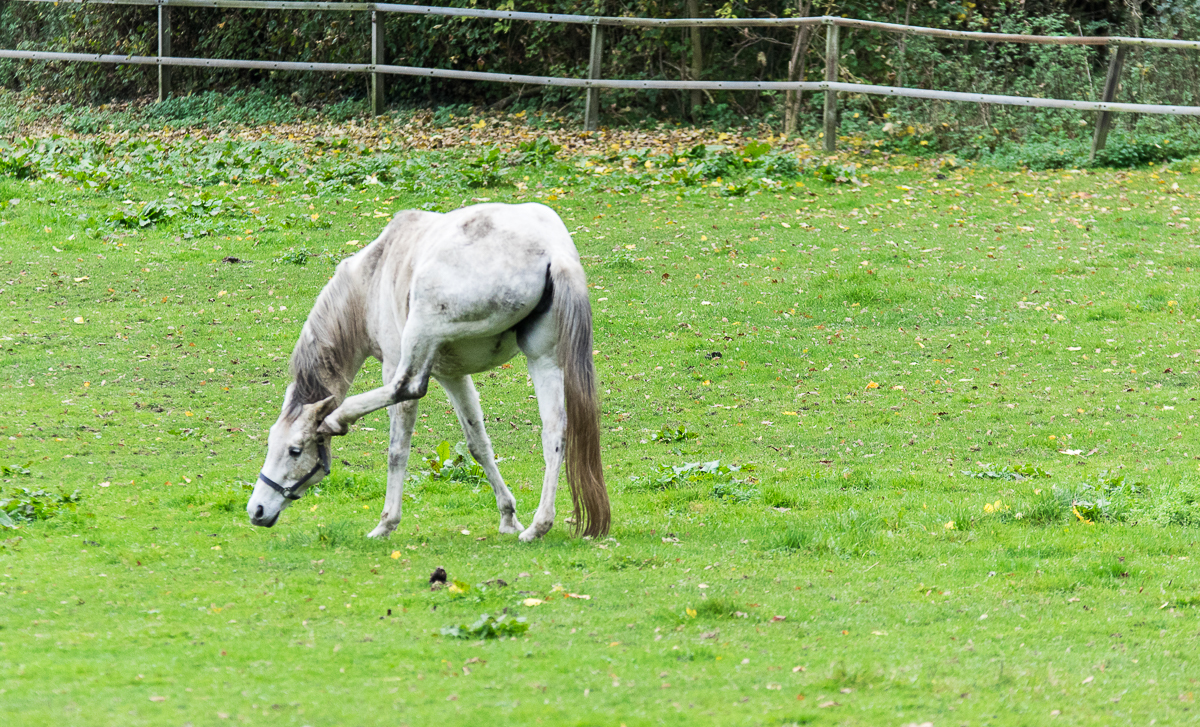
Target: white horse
447, 295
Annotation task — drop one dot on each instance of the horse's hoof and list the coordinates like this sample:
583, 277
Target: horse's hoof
534, 532
511, 529
381, 531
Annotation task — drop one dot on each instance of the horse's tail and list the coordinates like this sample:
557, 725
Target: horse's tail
585, 473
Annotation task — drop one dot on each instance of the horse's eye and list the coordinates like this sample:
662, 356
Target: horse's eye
295, 451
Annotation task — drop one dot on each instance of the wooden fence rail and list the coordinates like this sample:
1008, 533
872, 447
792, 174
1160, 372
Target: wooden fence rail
379, 70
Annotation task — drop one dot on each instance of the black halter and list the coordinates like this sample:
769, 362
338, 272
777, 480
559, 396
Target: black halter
290, 492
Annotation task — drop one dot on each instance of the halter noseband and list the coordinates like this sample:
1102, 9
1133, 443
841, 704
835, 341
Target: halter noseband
290, 492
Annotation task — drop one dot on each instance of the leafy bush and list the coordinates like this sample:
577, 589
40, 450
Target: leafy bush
538, 152
295, 257
484, 170
22, 504
455, 465
1006, 472
667, 435
1126, 152
16, 470
487, 627
710, 474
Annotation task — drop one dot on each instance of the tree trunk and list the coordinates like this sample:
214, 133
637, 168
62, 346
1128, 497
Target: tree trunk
697, 66
791, 104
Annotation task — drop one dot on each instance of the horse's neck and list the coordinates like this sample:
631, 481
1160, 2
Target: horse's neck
335, 342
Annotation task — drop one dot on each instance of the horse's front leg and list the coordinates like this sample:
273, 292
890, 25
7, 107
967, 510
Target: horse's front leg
403, 418
408, 381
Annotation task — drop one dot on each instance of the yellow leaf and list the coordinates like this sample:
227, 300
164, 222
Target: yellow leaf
691, 612
531, 602
395, 555
872, 385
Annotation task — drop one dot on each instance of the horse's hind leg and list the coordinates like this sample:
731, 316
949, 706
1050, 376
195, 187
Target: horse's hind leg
403, 418
466, 405
548, 385
539, 342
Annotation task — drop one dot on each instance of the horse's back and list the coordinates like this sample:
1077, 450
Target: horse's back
513, 235
478, 271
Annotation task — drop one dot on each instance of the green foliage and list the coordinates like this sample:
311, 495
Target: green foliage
295, 257
1008, 473
714, 479
484, 170
1043, 507
667, 435
537, 152
487, 627
712, 608
454, 464
16, 470
669, 477
1108, 497
22, 504
1175, 505
836, 173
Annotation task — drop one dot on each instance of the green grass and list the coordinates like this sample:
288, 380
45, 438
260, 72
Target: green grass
899, 545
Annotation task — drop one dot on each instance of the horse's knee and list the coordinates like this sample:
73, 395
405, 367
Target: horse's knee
410, 388
397, 460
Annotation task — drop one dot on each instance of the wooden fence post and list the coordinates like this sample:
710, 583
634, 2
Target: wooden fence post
378, 58
831, 75
164, 50
697, 68
591, 116
1111, 85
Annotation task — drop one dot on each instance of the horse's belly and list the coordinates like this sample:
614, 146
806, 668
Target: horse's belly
470, 356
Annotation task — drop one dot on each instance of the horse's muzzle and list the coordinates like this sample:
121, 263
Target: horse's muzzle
263, 522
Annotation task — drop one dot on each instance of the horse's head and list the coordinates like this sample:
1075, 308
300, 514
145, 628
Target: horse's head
297, 458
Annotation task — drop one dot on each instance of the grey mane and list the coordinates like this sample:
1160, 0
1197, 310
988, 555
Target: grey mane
325, 359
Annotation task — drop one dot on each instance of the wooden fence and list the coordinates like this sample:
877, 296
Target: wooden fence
594, 83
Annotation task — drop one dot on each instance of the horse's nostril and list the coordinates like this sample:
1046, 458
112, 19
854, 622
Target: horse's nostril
258, 513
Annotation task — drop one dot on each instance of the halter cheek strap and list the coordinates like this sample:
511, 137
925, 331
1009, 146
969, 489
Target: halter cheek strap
289, 493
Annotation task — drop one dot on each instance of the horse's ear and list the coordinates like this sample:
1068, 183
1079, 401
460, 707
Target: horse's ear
316, 412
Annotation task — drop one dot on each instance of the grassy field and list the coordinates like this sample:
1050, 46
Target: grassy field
953, 410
